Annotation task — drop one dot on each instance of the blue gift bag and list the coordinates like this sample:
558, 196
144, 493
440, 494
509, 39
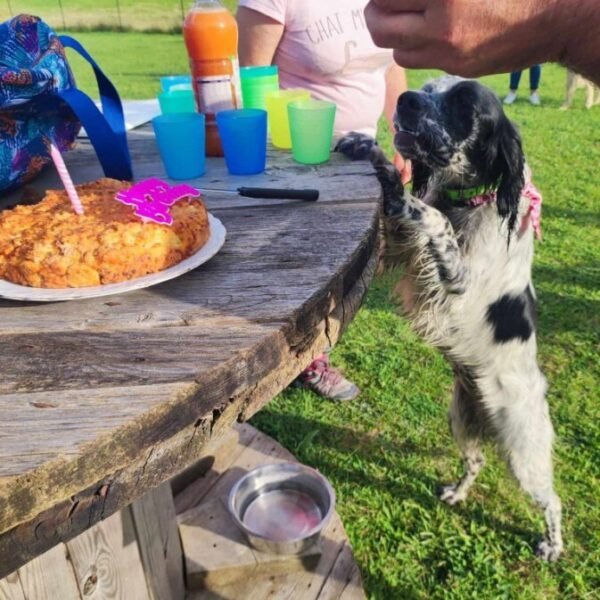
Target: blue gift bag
39, 103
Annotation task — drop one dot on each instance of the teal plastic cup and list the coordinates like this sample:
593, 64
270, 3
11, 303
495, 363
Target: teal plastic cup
181, 143
177, 101
243, 135
311, 130
257, 82
178, 82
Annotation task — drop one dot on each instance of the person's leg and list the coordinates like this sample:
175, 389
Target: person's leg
515, 78
535, 74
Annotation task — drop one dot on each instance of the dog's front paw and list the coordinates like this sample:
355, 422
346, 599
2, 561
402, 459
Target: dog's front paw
452, 494
546, 550
356, 146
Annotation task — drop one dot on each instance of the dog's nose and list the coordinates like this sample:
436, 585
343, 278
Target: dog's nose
411, 102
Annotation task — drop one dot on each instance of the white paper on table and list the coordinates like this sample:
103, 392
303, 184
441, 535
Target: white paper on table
137, 112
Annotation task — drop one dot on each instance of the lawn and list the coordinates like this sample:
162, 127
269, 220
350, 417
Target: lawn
386, 452
161, 15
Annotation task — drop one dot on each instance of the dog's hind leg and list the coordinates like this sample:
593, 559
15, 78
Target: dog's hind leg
590, 93
526, 435
571, 88
465, 426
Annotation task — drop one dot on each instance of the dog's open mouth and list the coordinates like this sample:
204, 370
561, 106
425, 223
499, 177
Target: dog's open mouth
405, 141
423, 146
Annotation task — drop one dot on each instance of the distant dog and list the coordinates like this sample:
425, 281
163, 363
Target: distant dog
465, 238
575, 82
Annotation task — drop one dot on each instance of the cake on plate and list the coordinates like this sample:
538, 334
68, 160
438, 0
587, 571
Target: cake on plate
47, 245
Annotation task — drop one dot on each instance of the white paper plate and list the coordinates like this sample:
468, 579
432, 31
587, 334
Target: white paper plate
216, 240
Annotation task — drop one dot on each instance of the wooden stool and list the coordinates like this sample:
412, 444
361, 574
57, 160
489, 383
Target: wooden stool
218, 561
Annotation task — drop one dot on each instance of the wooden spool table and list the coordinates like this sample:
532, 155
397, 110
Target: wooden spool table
104, 400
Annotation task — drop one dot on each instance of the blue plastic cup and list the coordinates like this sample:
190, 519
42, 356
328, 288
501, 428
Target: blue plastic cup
181, 143
243, 135
177, 101
182, 82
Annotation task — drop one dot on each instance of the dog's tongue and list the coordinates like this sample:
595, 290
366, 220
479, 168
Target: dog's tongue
403, 140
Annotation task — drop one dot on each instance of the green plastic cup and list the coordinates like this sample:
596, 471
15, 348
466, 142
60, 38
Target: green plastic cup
311, 128
256, 82
277, 107
177, 101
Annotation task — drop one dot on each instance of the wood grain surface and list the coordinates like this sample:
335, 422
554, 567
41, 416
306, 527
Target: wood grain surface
159, 543
220, 565
103, 399
106, 561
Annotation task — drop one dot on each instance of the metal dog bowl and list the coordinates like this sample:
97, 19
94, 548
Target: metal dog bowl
282, 508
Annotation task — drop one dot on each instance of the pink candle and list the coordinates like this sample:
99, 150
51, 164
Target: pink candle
59, 163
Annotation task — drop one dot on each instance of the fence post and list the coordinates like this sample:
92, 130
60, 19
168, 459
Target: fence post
119, 15
62, 14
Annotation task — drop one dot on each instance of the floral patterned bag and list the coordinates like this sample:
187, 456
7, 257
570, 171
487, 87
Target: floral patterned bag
39, 103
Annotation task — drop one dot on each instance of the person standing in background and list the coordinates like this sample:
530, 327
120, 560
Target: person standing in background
535, 74
325, 47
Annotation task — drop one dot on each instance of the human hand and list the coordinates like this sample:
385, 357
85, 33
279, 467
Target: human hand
469, 37
404, 167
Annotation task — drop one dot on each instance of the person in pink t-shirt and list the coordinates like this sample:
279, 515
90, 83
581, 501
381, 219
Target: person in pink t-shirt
324, 46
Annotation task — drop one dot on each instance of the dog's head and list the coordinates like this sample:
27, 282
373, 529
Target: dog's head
458, 136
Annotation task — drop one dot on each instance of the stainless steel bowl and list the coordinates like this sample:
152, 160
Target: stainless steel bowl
282, 508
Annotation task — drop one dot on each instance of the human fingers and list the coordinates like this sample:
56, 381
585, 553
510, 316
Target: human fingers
413, 59
403, 167
407, 172
398, 162
405, 30
402, 5
451, 62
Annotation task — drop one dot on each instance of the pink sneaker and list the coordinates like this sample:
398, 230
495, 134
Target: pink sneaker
326, 381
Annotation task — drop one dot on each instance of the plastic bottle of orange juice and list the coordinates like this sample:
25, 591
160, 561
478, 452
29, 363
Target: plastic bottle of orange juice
211, 36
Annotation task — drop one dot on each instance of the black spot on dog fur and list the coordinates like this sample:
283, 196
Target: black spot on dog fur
414, 213
512, 317
441, 267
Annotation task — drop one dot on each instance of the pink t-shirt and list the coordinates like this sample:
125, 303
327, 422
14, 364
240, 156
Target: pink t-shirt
326, 48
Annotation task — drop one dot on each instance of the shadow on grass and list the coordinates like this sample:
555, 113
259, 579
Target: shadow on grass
579, 217
561, 310
412, 484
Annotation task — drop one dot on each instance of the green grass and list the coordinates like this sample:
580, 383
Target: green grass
386, 452
161, 15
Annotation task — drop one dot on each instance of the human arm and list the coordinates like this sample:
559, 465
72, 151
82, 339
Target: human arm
259, 36
395, 84
473, 38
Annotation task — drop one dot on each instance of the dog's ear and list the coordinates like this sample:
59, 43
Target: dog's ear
508, 165
420, 178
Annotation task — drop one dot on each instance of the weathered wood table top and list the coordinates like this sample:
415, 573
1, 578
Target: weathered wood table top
103, 399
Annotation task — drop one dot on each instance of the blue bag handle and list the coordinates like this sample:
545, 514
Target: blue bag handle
105, 129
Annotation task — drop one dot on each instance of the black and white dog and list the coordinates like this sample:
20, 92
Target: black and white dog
465, 239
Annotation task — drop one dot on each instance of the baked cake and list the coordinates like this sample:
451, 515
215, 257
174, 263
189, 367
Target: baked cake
47, 245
